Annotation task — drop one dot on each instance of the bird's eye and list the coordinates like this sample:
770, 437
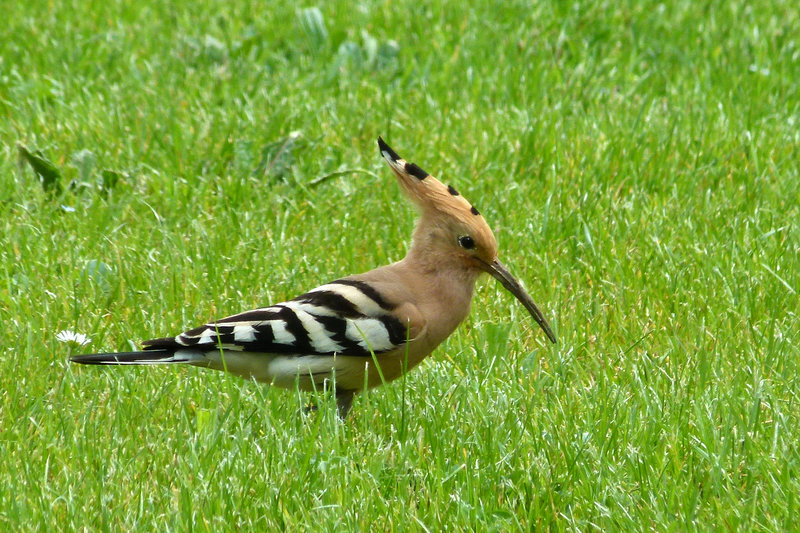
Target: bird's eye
466, 242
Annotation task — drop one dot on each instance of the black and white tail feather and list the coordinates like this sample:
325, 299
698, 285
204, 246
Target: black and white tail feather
149, 357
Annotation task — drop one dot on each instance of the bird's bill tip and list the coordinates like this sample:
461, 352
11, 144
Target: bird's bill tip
499, 271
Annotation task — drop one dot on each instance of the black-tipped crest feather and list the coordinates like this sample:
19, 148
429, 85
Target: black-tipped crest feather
385, 148
414, 170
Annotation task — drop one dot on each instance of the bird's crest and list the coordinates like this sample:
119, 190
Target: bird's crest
427, 193
436, 200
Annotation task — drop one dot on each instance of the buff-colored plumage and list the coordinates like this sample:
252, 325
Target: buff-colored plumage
363, 330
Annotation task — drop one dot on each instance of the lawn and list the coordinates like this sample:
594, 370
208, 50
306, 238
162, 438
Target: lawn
162, 165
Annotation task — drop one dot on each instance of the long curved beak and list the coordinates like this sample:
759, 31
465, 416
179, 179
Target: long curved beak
501, 273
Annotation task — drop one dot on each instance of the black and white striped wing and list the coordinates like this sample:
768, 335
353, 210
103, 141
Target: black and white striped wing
345, 317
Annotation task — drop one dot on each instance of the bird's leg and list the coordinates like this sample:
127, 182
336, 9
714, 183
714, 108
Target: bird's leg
344, 399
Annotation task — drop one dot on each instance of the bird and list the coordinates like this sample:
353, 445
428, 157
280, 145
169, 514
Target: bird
363, 330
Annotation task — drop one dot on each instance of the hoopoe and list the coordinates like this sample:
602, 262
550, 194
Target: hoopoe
359, 331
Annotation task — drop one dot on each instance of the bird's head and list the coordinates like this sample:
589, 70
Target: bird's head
449, 223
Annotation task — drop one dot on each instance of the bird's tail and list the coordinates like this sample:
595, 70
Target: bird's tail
147, 357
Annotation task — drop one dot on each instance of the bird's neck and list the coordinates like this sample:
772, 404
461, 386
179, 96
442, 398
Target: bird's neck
449, 278
433, 263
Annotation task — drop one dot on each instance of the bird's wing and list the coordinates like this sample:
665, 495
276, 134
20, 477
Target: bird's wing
345, 317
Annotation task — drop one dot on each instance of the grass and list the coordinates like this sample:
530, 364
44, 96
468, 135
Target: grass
638, 161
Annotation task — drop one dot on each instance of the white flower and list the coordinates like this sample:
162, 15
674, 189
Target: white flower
71, 336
